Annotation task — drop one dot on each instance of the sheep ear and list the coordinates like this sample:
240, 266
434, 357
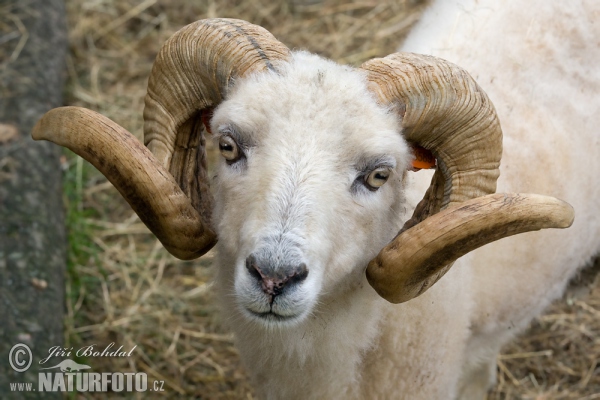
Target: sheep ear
423, 158
420, 255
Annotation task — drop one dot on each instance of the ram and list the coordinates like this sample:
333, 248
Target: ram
314, 185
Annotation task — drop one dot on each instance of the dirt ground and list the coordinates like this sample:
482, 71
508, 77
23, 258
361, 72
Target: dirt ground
124, 288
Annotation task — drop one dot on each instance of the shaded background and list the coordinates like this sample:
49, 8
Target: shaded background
123, 287
33, 246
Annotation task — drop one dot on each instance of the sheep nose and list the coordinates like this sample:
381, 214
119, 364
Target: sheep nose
274, 281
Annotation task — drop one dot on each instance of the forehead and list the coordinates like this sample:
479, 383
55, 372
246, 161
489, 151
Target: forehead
310, 100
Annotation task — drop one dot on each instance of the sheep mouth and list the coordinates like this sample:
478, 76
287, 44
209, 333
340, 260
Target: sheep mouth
271, 316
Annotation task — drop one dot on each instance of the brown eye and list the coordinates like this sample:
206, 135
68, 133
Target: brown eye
377, 178
229, 148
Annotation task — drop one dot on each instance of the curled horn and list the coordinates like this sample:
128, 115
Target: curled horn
132, 169
190, 76
168, 185
445, 111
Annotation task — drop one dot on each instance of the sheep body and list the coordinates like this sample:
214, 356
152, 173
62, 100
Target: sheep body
316, 118
538, 63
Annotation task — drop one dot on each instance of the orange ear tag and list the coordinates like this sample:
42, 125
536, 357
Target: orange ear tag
424, 158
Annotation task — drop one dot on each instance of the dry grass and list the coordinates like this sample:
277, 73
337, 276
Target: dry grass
559, 357
13, 34
113, 43
125, 288
13, 38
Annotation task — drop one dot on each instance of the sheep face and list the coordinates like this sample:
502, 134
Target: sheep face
309, 189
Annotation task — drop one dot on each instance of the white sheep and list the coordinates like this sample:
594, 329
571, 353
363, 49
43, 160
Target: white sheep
313, 184
538, 62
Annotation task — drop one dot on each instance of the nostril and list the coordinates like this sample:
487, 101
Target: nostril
252, 267
299, 274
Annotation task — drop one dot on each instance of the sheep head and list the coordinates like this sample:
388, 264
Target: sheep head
306, 196
309, 198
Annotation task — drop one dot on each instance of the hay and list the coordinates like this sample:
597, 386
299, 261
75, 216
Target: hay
13, 34
559, 357
125, 288
13, 38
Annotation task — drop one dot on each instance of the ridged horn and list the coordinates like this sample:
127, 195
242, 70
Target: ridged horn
132, 169
445, 111
425, 251
169, 190
191, 75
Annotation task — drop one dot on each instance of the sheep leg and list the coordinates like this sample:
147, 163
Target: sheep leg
477, 381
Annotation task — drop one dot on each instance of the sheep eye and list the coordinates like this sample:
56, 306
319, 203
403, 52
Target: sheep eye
376, 178
229, 149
